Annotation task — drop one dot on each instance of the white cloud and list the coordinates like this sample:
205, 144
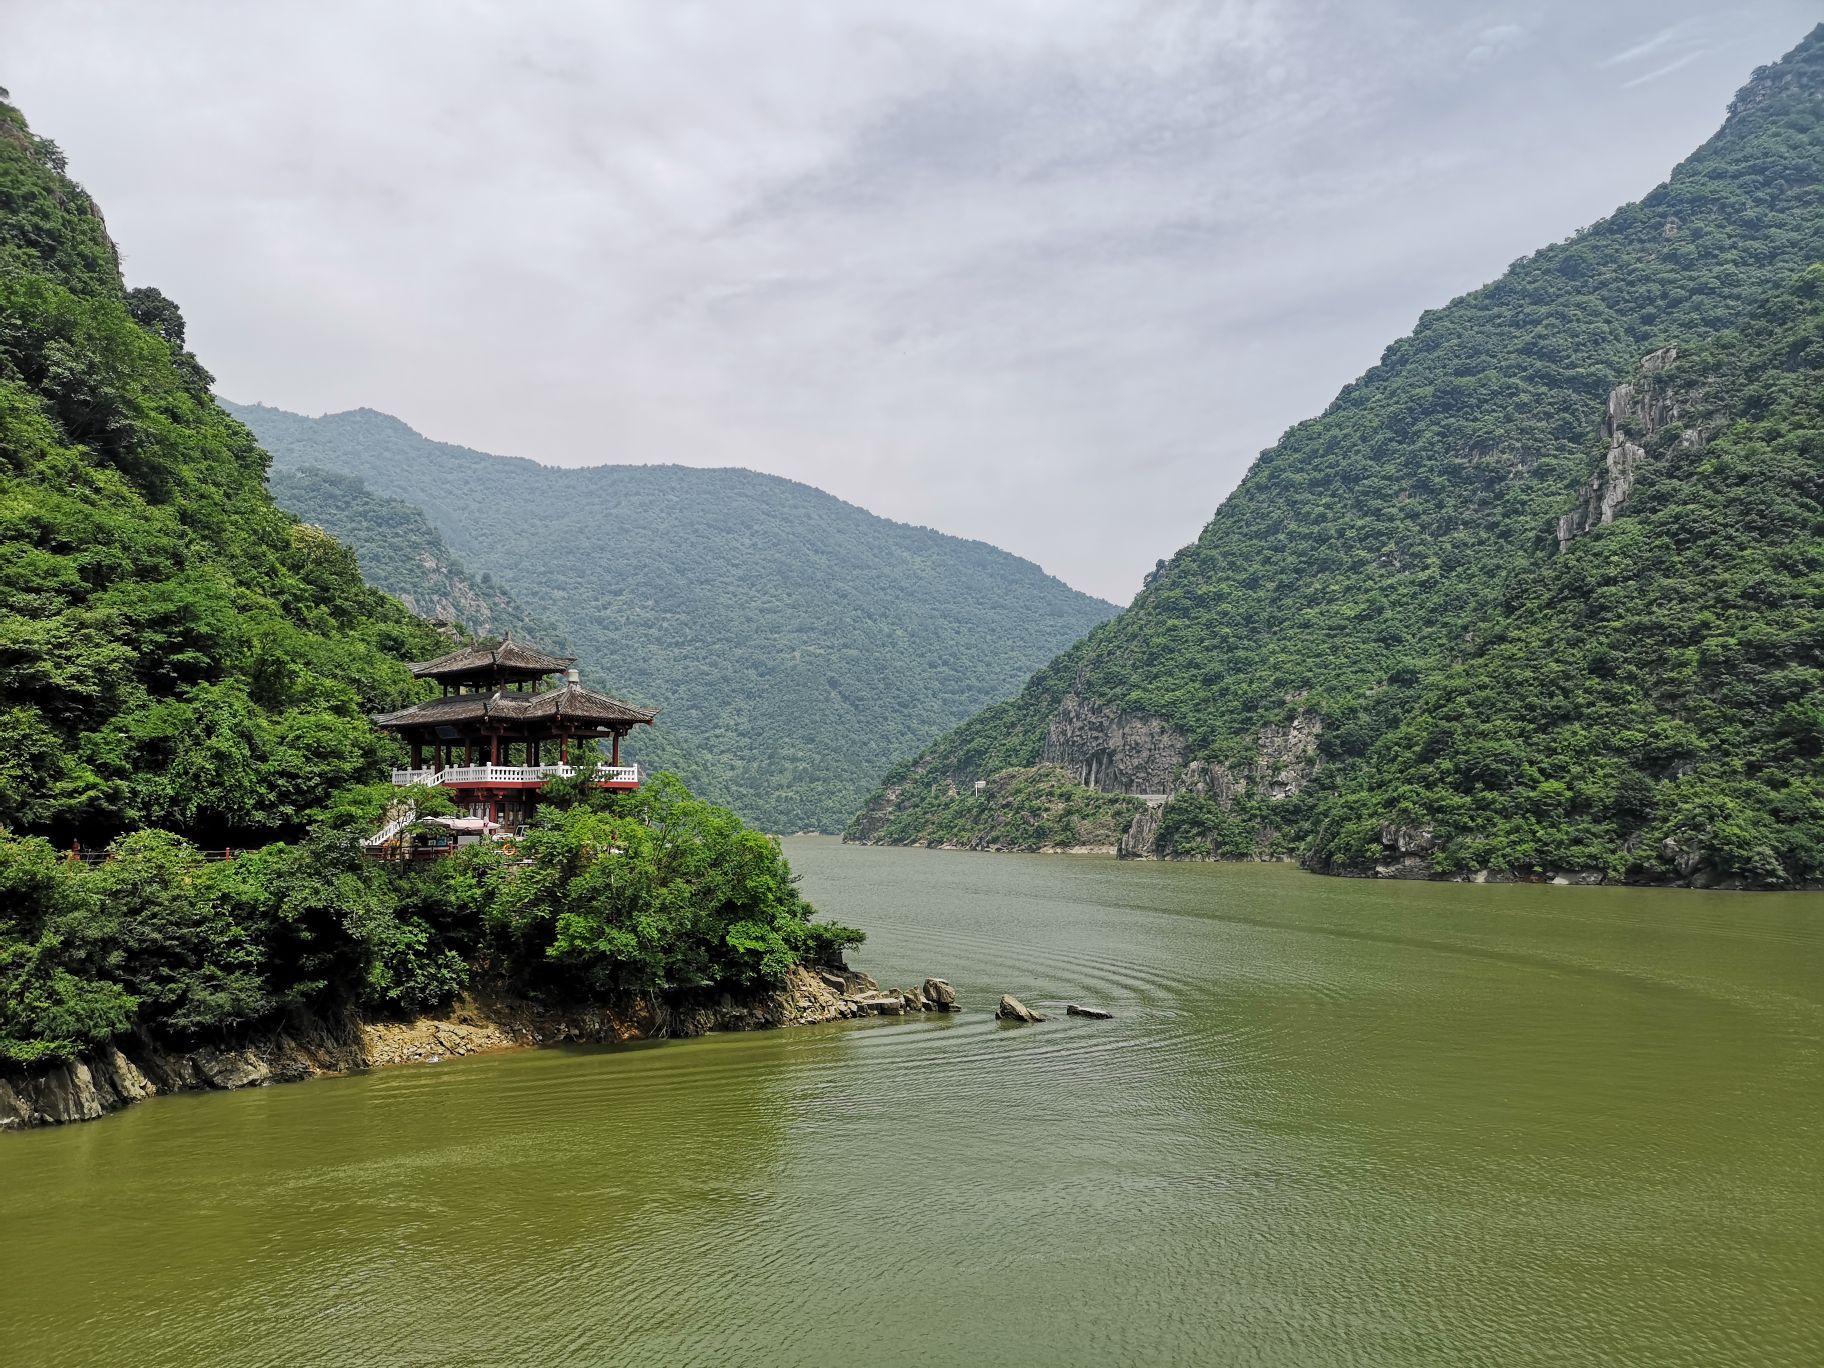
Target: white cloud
1046, 272
1492, 41
1683, 32
1676, 64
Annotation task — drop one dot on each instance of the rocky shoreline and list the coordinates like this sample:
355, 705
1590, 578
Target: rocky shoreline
988, 847
1407, 867
1422, 872
127, 1071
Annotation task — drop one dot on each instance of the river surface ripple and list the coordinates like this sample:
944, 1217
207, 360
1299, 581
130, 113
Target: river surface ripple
1332, 1122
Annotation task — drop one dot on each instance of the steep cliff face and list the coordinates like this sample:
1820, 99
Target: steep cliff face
1285, 762
1233, 809
1372, 547
1141, 839
1113, 751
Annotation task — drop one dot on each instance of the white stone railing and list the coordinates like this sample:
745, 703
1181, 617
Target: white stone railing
399, 820
512, 774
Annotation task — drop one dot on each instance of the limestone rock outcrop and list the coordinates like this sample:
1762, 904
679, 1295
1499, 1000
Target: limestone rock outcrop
858, 995
1407, 840
1077, 1009
940, 996
1141, 838
1012, 1009
1635, 413
1115, 751
1285, 760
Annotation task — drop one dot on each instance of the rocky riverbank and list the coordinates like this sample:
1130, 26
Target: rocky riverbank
129, 1070
991, 848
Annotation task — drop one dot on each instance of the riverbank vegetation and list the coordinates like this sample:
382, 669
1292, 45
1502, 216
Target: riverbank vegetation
609, 894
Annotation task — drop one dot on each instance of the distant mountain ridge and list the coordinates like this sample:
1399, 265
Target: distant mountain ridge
1300, 680
797, 645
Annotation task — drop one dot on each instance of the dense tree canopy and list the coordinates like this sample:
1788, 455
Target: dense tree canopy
651, 891
403, 555
1650, 702
174, 650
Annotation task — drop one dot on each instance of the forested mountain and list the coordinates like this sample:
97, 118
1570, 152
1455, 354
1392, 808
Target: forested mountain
403, 555
795, 644
1654, 695
181, 662
1384, 569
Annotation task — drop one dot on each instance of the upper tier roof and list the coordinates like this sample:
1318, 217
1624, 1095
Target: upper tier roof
492, 659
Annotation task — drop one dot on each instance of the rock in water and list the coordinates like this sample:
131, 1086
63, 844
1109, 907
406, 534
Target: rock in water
1012, 1009
1095, 1013
881, 1004
940, 995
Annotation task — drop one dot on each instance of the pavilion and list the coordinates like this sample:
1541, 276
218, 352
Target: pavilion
500, 730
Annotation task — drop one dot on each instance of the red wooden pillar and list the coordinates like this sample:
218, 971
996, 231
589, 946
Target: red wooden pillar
494, 749
617, 749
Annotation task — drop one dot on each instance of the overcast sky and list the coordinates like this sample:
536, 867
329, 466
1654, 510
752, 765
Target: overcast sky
1047, 274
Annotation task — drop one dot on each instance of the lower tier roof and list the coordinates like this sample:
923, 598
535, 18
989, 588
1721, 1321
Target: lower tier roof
571, 703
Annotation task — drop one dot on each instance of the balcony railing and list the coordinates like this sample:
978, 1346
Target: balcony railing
483, 775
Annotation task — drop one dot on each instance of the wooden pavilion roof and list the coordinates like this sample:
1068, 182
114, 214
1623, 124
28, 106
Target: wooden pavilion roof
570, 704
492, 658
575, 703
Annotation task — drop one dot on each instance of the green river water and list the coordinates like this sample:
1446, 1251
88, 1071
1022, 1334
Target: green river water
1332, 1122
